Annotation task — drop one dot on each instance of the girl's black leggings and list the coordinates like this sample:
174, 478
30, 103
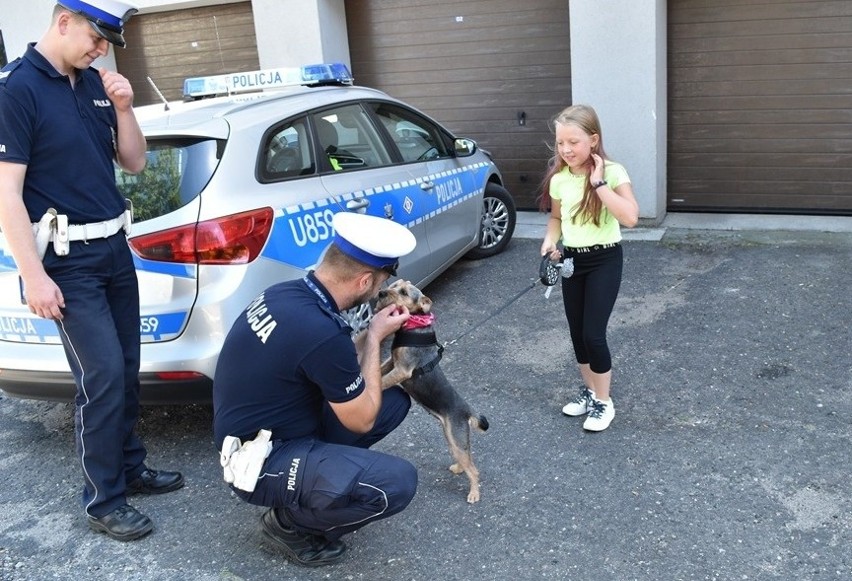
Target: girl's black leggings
589, 297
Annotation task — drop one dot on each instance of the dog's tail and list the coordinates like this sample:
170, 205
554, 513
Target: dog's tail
478, 422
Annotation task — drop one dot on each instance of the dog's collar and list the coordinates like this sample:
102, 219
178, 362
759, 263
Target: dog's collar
414, 338
419, 338
418, 321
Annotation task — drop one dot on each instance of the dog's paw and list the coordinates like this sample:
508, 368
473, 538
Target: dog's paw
456, 469
473, 496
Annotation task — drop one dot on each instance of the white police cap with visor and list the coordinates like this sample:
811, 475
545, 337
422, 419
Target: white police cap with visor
373, 241
107, 17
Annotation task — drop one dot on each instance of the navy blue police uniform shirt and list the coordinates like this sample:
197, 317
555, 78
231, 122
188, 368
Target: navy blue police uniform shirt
66, 137
285, 355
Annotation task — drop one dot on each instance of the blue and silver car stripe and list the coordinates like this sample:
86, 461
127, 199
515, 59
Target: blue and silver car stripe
161, 327
302, 231
27, 329
21, 328
7, 263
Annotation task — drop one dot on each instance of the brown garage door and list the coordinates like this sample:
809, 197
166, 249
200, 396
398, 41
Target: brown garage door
760, 106
494, 70
171, 46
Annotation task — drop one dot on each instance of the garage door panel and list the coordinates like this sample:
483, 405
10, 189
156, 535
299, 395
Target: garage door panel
383, 13
465, 33
766, 57
832, 170
787, 132
199, 24
473, 73
699, 117
760, 11
773, 203
171, 46
782, 73
760, 106
776, 90
763, 146
522, 61
468, 78
189, 43
510, 89
799, 42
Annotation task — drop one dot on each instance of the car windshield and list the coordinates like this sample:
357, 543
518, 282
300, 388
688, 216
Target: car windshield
176, 172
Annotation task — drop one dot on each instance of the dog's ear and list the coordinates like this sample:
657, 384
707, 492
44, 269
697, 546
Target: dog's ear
425, 303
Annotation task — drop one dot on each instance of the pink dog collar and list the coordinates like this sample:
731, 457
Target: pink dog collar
418, 321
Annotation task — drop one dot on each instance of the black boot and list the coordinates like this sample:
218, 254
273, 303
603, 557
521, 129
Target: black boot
124, 524
302, 548
155, 482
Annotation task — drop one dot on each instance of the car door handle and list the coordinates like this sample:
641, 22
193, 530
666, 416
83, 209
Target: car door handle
357, 204
427, 185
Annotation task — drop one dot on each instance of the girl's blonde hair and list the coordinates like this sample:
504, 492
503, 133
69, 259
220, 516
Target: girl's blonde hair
589, 208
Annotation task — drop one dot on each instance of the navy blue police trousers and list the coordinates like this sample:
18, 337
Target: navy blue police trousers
100, 333
333, 484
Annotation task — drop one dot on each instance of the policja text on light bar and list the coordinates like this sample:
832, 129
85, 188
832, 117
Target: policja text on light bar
325, 73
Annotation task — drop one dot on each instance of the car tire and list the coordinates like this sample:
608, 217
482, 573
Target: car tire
497, 223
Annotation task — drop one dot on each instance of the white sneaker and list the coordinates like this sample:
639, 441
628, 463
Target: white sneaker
600, 415
581, 405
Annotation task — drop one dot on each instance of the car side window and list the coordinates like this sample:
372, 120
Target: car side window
416, 138
348, 139
287, 152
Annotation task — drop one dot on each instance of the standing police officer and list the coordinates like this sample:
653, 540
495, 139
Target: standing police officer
297, 403
62, 123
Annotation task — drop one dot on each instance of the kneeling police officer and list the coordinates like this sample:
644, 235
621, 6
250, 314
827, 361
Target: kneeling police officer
298, 402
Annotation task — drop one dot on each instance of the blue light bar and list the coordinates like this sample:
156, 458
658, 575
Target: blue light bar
320, 74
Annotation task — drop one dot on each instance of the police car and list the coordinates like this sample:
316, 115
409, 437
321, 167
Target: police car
239, 193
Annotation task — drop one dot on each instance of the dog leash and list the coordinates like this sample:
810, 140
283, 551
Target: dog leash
549, 273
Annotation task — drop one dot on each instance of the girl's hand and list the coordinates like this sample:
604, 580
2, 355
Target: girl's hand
598, 170
549, 249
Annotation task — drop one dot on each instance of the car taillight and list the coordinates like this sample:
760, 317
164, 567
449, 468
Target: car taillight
178, 375
235, 239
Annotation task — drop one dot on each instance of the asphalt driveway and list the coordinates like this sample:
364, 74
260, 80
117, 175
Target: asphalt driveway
728, 457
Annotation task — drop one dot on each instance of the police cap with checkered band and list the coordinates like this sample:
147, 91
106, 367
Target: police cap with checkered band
107, 17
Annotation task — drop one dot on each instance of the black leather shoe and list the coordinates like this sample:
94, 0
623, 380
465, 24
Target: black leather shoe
124, 524
302, 548
155, 482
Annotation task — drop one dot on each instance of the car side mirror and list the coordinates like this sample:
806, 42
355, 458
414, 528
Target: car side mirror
464, 147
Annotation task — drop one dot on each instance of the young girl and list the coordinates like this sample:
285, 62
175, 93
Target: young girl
589, 197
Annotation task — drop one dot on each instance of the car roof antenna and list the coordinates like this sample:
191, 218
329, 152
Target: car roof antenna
159, 93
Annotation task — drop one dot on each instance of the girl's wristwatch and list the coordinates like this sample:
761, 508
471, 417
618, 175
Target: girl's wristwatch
596, 185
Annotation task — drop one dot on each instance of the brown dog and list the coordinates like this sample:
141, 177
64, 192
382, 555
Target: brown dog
413, 363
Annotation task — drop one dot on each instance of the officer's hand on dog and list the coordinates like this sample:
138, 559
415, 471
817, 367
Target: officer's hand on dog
118, 89
388, 321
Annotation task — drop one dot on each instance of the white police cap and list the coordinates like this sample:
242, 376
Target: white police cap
376, 242
107, 17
